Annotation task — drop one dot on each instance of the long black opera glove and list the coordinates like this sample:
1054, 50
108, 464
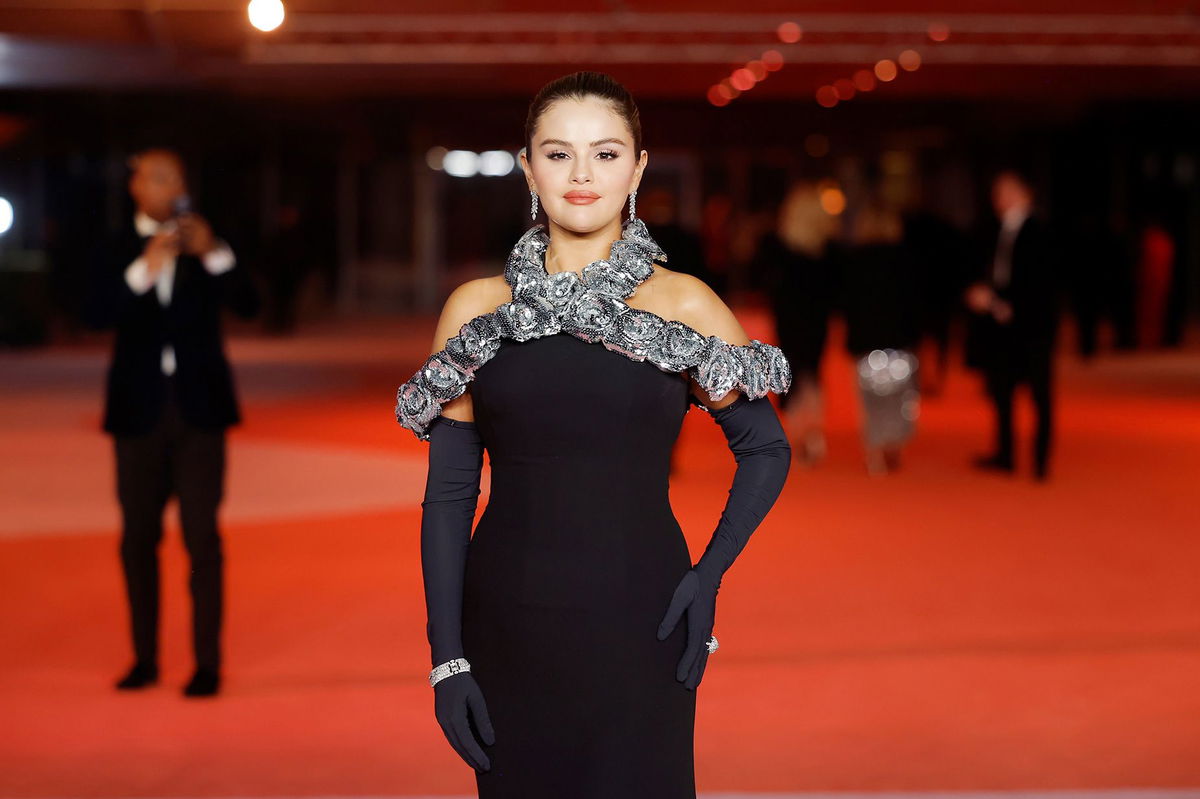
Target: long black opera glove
761, 449
448, 512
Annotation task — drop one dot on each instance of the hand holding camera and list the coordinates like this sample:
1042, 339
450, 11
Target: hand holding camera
196, 236
162, 246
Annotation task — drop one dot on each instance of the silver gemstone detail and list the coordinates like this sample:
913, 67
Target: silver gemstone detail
634, 333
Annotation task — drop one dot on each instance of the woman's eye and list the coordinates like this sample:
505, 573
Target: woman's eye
557, 155
607, 155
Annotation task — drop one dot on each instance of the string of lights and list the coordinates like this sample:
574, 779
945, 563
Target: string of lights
886, 70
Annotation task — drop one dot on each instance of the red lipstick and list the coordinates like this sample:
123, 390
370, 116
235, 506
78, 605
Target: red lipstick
579, 197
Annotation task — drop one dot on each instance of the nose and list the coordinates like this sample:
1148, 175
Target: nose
582, 172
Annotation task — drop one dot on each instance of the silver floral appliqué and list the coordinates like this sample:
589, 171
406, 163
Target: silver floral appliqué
592, 309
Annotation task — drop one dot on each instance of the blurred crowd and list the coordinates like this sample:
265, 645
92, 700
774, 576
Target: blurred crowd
903, 285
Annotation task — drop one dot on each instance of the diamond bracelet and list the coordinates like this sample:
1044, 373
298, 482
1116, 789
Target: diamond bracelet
448, 669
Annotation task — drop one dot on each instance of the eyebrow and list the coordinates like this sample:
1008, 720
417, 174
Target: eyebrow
593, 144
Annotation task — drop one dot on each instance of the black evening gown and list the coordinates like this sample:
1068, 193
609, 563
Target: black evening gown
569, 572
578, 400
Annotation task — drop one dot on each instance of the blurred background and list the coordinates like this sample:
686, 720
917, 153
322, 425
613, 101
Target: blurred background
898, 625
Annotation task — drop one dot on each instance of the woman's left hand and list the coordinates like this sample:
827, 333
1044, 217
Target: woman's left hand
697, 596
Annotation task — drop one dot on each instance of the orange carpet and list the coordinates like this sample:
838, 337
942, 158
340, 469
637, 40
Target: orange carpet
933, 630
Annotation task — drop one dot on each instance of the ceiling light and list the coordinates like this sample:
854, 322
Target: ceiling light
266, 15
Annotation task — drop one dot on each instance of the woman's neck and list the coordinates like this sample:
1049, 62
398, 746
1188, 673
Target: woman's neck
570, 252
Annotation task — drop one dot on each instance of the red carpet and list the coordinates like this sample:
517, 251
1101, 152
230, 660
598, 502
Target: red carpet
933, 630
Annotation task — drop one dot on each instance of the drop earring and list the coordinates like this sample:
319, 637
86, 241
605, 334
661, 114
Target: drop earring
532, 204
633, 205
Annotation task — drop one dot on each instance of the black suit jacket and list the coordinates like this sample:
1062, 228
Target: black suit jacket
191, 324
1033, 288
1033, 291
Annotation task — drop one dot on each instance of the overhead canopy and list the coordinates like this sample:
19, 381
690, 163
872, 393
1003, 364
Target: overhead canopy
659, 48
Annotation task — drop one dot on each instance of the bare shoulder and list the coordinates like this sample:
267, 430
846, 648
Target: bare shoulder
478, 296
691, 301
471, 299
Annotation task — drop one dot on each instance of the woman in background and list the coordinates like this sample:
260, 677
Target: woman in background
882, 327
799, 266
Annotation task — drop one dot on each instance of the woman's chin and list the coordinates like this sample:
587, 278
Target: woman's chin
583, 219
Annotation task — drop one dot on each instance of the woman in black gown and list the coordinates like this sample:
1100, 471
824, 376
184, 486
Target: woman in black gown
569, 632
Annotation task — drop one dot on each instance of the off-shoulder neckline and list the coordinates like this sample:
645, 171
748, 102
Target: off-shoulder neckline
591, 307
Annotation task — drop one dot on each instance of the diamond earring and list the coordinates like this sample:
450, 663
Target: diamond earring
532, 204
633, 205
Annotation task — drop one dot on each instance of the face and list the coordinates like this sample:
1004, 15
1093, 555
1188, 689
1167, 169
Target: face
582, 164
156, 182
1008, 193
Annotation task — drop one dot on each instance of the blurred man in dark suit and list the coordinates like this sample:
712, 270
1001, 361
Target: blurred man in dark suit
170, 397
1017, 302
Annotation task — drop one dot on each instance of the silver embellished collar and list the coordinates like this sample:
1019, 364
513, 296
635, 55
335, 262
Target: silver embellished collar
629, 264
590, 306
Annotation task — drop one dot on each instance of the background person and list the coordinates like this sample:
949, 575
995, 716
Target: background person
882, 312
1017, 305
798, 262
162, 283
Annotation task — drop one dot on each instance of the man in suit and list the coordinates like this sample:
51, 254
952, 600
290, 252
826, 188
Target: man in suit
170, 397
1017, 305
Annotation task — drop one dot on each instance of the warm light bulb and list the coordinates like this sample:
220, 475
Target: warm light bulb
716, 97
772, 60
742, 79
435, 156
864, 80
833, 201
910, 60
266, 15
789, 32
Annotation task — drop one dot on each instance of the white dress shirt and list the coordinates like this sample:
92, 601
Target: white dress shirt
137, 275
1010, 227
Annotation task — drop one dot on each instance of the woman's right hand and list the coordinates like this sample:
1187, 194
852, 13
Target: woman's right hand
454, 698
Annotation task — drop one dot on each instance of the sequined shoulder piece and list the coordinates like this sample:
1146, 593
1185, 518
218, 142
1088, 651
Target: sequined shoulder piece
593, 309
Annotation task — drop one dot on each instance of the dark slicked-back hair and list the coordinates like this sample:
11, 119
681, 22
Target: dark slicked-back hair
580, 85
1017, 172
158, 152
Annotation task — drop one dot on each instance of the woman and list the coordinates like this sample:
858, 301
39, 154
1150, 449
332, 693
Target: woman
549, 678
800, 270
882, 328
